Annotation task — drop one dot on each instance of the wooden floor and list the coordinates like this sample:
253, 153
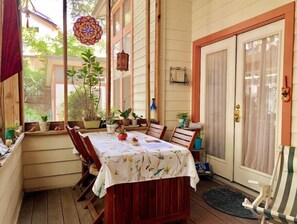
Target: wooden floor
60, 206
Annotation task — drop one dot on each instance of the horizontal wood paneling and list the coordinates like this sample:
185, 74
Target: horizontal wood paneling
222, 14
49, 156
53, 182
37, 143
49, 162
178, 35
177, 28
51, 169
11, 187
178, 45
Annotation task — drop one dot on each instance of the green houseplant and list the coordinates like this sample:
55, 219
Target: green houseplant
87, 84
10, 130
125, 115
198, 141
182, 119
134, 118
110, 123
44, 124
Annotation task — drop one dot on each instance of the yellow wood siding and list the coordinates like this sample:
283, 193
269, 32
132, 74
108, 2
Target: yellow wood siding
49, 162
177, 42
11, 187
139, 65
211, 16
139, 55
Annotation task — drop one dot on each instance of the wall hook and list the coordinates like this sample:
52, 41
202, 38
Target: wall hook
285, 91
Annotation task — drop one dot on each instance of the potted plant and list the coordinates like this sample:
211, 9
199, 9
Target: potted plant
10, 130
134, 118
122, 135
198, 141
44, 124
182, 119
125, 115
110, 123
89, 92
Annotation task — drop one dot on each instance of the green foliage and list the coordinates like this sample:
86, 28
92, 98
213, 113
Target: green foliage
13, 127
135, 116
89, 76
200, 134
44, 46
75, 105
82, 7
44, 117
125, 114
31, 114
34, 80
111, 118
182, 115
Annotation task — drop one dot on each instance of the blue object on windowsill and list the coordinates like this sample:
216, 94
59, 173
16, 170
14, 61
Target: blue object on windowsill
198, 143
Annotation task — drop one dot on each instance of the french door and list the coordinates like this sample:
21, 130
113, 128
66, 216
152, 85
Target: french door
240, 82
217, 94
259, 57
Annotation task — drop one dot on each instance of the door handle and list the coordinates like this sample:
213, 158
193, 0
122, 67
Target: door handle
237, 113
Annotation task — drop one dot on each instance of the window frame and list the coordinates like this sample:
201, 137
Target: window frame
119, 38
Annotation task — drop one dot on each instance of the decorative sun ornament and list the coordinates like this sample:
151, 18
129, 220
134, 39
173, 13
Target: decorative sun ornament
87, 30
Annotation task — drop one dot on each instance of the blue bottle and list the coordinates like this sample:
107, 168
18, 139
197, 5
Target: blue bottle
153, 109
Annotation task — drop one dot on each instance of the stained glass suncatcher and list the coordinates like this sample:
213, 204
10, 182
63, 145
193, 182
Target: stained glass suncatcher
87, 30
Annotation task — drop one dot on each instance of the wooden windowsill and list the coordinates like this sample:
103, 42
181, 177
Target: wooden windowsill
63, 132
12, 148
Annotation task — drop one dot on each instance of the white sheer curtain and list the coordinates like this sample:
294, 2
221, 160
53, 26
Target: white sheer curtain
260, 86
215, 106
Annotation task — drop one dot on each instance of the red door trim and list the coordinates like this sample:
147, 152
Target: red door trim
286, 12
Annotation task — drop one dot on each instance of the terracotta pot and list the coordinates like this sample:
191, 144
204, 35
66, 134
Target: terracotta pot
122, 136
126, 121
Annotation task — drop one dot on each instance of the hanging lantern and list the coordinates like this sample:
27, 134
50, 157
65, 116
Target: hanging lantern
122, 61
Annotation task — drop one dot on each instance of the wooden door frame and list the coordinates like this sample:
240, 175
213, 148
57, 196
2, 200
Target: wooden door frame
286, 12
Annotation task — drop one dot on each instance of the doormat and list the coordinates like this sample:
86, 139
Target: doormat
228, 201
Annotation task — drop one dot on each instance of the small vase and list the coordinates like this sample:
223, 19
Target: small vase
44, 125
198, 143
110, 128
9, 134
134, 122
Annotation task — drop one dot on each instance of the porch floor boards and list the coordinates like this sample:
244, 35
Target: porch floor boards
59, 206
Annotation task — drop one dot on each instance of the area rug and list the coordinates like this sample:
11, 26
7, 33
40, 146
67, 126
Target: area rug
227, 201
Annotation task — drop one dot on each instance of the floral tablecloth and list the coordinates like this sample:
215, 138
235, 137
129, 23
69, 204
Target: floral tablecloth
151, 159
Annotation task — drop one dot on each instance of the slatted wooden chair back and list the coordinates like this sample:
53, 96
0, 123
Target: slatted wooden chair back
183, 137
89, 146
79, 146
155, 130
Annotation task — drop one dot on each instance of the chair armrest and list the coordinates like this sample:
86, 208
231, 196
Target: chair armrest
264, 192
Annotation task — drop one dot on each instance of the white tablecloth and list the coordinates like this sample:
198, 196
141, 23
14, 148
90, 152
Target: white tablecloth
123, 162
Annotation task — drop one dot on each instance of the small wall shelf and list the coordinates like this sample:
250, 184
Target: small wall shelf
178, 75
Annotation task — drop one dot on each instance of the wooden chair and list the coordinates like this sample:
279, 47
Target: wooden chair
85, 158
183, 137
280, 195
98, 217
155, 130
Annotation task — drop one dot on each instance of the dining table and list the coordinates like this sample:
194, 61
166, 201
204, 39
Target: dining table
143, 179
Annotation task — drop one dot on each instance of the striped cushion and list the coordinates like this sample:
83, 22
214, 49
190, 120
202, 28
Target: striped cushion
283, 206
